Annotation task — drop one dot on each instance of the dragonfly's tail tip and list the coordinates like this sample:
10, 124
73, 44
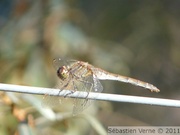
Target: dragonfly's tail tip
158, 90
155, 90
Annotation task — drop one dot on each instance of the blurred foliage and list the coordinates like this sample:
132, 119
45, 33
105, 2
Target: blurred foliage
133, 38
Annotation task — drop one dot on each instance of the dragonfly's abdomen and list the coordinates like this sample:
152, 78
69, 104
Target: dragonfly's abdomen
103, 75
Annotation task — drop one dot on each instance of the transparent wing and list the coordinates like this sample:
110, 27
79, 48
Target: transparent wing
80, 78
88, 84
58, 62
54, 101
50, 101
97, 85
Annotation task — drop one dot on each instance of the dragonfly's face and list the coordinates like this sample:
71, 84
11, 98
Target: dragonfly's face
62, 72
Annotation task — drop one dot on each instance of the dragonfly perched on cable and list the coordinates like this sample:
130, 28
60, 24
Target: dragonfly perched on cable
80, 76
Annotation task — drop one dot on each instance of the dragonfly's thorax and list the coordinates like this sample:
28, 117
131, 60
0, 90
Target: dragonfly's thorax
63, 73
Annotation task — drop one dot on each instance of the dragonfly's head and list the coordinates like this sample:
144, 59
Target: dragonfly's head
62, 72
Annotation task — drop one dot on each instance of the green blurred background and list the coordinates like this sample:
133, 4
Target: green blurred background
135, 38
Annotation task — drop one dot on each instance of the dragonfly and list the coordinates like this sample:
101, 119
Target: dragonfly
81, 76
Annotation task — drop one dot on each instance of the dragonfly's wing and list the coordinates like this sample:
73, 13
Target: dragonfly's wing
86, 84
97, 85
80, 78
50, 101
59, 62
54, 101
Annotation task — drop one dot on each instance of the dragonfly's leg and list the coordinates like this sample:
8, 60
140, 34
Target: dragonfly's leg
72, 91
83, 80
74, 68
86, 82
62, 88
74, 87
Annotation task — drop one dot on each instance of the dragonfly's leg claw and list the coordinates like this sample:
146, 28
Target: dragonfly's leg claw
59, 92
71, 92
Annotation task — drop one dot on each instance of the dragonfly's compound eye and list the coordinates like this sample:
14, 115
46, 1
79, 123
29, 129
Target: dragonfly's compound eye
62, 73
